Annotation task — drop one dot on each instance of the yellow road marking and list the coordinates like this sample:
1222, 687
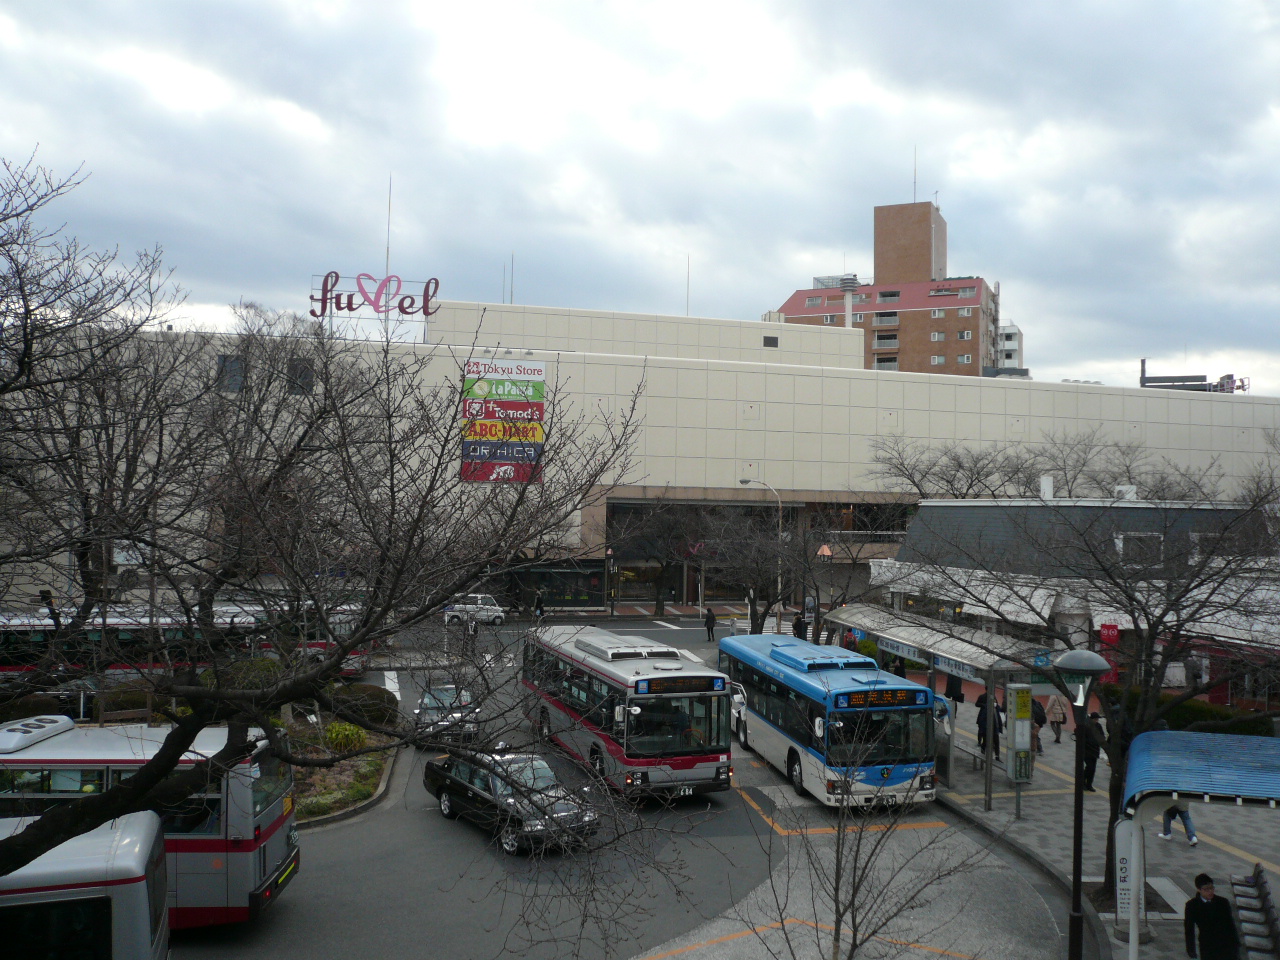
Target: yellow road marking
821, 831
794, 921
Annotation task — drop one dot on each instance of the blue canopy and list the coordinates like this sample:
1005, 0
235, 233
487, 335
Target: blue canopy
1221, 766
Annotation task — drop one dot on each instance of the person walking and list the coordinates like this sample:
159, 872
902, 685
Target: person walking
900, 667
797, 625
709, 621
1210, 915
1092, 734
538, 611
1057, 711
1180, 810
997, 726
1037, 724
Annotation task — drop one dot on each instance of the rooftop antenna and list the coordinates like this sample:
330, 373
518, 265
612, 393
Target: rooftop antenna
386, 316
688, 272
513, 276
935, 198
913, 173
504, 281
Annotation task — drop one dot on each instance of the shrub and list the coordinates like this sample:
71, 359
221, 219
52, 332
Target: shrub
1195, 711
867, 647
344, 737
373, 704
31, 705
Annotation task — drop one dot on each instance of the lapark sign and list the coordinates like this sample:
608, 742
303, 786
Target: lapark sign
382, 296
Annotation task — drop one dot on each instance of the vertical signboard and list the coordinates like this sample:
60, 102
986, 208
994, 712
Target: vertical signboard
503, 403
1109, 637
1018, 700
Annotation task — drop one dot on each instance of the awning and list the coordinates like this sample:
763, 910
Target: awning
1217, 766
960, 651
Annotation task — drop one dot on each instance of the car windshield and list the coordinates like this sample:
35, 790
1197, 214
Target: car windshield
444, 698
668, 726
858, 739
531, 775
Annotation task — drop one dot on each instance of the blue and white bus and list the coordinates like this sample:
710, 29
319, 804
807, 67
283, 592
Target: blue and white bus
840, 728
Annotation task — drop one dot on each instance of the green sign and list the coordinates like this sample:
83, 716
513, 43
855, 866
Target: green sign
480, 388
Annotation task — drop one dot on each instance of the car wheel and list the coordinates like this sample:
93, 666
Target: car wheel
742, 733
544, 725
451, 619
497, 621
795, 773
509, 840
446, 806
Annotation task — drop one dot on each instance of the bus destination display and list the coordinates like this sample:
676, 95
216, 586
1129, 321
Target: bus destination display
680, 685
881, 698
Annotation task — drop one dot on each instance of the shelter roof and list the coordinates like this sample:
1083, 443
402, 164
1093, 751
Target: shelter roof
1212, 766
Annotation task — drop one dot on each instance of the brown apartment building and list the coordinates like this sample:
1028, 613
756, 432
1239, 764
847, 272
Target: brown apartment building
916, 318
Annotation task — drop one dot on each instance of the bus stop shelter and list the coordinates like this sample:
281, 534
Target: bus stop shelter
952, 649
1169, 765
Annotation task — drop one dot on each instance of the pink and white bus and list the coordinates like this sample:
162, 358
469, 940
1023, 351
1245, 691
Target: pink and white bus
231, 851
646, 717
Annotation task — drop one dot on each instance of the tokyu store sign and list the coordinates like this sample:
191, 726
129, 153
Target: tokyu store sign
503, 404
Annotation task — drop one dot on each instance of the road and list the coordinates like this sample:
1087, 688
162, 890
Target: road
400, 881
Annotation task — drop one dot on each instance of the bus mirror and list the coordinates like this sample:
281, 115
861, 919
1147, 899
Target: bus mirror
619, 713
635, 711
818, 725
940, 711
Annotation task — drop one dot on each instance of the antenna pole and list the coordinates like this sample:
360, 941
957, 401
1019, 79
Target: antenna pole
388, 263
513, 276
688, 271
913, 173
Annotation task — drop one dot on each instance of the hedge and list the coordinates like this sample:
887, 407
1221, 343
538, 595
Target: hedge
32, 705
369, 702
1198, 711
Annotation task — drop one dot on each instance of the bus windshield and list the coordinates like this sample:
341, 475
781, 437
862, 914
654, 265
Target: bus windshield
668, 726
860, 739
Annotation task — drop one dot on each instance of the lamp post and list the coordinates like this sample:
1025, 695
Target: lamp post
1088, 664
748, 480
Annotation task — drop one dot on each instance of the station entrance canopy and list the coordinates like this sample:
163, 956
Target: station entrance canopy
948, 648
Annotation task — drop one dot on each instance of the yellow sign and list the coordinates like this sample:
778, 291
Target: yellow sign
503, 431
1022, 704
288, 804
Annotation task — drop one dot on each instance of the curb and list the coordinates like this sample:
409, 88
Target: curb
1092, 921
360, 807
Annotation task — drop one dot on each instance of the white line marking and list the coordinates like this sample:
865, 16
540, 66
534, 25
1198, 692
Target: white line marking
669, 626
392, 682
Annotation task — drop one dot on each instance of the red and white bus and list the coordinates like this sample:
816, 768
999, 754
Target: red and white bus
230, 851
101, 894
646, 717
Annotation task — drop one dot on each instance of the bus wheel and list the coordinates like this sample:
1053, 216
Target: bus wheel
742, 733
446, 806
544, 725
795, 773
597, 763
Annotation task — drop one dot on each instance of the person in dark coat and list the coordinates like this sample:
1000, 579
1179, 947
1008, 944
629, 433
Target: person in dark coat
900, 668
1038, 720
1210, 914
997, 728
709, 621
797, 626
1092, 733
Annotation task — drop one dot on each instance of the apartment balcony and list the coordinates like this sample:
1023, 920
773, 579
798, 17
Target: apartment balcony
885, 344
891, 365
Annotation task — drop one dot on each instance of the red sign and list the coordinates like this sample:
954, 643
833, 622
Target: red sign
529, 412
487, 470
378, 294
1109, 636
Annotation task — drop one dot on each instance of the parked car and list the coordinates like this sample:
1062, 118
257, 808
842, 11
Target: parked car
480, 606
516, 795
446, 713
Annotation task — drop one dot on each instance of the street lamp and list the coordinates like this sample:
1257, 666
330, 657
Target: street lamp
1087, 664
748, 480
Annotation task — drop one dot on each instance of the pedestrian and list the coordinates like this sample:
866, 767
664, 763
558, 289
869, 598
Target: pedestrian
709, 621
848, 643
900, 667
1037, 722
797, 625
1212, 915
1092, 734
1180, 810
538, 611
997, 726
1057, 711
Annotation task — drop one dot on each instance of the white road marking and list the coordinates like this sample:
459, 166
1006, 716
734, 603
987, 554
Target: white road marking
669, 626
392, 682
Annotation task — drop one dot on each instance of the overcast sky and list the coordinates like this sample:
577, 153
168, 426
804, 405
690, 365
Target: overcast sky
1114, 165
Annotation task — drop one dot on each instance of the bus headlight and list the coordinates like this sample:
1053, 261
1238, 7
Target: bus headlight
722, 773
837, 786
927, 781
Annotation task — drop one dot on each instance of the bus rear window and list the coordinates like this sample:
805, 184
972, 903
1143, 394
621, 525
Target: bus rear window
271, 780
63, 930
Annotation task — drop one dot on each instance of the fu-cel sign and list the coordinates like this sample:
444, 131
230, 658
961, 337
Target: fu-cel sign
383, 297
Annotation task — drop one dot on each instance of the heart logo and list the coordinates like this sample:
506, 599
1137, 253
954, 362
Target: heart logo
383, 285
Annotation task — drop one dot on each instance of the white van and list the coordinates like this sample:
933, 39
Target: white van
101, 894
478, 606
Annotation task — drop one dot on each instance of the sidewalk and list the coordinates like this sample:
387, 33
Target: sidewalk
1231, 839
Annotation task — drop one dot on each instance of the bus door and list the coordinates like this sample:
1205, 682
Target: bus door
273, 828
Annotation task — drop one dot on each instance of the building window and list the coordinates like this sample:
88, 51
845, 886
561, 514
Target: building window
831, 318
939, 314
966, 334
230, 375
937, 335
888, 296
968, 291
885, 319
1008, 354
770, 341
301, 376
966, 311
812, 301
936, 360
965, 358
858, 317
886, 363
1009, 337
